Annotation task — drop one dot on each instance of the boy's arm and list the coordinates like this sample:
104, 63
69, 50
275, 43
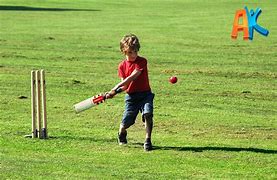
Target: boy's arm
125, 82
123, 85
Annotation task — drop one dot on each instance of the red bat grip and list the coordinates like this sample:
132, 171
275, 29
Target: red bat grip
98, 99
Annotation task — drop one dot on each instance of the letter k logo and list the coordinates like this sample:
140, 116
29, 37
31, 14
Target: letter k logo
252, 22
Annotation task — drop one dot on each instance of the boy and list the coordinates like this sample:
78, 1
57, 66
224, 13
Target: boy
134, 80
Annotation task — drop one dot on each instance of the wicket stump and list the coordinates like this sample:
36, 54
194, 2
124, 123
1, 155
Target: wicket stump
38, 104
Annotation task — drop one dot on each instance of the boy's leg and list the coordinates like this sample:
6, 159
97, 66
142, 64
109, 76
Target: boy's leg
122, 135
122, 129
148, 128
147, 111
129, 117
148, 125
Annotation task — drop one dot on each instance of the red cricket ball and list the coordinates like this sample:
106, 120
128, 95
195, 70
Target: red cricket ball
173, 79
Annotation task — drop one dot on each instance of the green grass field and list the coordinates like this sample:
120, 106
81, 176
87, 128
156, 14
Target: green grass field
217, 122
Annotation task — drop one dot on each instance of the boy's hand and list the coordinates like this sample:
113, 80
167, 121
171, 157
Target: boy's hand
110, 94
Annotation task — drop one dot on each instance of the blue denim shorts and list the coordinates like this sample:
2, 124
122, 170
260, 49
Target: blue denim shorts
135, 103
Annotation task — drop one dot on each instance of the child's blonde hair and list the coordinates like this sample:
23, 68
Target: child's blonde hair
129, 42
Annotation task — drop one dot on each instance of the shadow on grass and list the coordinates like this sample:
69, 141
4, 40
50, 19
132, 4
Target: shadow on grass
27, 8
175, 148
212, 148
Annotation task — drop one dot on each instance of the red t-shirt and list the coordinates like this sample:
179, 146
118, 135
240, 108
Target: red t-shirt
126, 68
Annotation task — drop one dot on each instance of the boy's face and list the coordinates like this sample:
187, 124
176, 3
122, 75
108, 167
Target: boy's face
131, 55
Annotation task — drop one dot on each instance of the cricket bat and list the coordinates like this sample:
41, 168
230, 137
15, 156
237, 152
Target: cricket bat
92, 101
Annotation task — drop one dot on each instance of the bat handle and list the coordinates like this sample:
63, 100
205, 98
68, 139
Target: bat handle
98, 99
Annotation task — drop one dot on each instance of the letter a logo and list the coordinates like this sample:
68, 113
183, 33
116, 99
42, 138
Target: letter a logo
240, 27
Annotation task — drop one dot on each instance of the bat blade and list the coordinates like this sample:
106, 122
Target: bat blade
88, 103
